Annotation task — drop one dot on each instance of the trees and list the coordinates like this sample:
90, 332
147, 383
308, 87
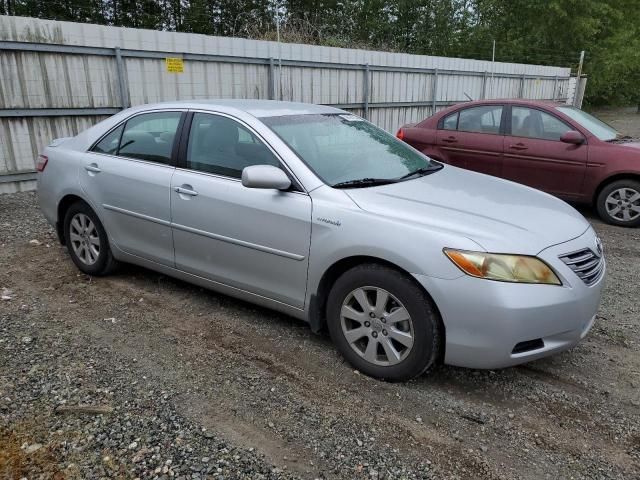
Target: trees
526, 31
554, 32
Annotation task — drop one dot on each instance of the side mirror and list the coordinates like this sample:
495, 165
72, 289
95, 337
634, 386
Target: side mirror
265, 176
572, 137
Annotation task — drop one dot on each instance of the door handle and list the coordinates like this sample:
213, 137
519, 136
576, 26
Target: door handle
186, 190
450, 140
93, 168
518, 146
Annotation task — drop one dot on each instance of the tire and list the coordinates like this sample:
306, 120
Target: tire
619, 203
87, 241
352, 330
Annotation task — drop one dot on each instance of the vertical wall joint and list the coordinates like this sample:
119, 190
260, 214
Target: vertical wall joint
434, 92
122, 84
484, 86
272, 79
365, 91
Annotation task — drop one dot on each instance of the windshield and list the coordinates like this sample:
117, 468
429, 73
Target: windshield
344, 149
597, 127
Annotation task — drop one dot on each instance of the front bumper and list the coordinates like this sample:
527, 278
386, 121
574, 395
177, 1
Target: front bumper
484, 320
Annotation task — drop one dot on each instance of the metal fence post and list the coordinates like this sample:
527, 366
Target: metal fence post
272, 81
434, 91
365, 91
484, 85
555, 88
581, 83
521, 93
122, 86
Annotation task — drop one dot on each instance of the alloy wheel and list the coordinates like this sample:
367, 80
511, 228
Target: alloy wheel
84, 239
377, 326
623, 204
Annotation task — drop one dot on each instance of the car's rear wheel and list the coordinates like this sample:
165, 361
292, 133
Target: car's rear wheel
383, 323
87, 241
619, 203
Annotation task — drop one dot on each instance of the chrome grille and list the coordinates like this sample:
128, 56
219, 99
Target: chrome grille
586, 264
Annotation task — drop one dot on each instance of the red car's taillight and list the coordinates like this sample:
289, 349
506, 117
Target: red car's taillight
41, 163
400, 134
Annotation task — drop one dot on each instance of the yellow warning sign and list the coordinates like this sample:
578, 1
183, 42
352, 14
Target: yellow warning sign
174, 65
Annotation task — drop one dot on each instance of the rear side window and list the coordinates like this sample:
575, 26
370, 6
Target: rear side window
450, 122
109, 144
484, 119
150, 136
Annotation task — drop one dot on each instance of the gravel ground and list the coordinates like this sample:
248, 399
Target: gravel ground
138, 375
625, 120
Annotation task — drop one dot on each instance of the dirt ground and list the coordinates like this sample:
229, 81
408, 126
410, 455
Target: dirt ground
193, 384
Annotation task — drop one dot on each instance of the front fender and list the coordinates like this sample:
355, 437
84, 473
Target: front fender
341, 230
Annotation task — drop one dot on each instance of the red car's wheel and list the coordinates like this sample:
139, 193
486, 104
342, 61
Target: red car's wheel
619, 203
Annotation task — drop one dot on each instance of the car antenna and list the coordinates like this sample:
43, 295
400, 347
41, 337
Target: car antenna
468, 96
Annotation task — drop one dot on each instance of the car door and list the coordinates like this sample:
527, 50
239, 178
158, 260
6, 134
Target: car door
127, 177
472, 138
535, 156
256, 240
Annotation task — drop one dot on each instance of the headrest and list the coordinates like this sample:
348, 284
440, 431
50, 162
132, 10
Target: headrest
222, 135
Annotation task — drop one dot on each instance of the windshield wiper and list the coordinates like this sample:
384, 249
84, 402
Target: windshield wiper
422, 171
364, 182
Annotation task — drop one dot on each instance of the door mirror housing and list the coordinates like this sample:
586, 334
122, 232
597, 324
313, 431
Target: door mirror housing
265, 176
573, 137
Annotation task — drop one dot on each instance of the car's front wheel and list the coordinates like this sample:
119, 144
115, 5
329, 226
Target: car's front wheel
619, 203
383, 323
87, 241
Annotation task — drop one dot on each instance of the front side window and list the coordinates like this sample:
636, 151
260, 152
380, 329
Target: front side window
222, 146
343, 148
485, 119
150, 136
533, 123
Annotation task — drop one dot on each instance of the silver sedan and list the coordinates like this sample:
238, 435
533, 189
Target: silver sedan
314, 212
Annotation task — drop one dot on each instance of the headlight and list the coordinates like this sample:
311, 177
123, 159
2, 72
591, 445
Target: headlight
504, 268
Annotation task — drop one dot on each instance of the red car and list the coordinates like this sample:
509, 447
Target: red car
549, 146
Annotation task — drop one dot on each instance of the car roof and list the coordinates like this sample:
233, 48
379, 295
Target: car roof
517, 101
256, 108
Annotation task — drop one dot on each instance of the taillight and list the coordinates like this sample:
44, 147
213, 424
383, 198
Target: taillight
400, 134
41, 163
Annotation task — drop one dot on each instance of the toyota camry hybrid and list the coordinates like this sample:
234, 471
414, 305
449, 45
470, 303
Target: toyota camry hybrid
319, 214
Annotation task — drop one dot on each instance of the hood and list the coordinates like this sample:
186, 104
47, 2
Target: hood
627, 144
500, 216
